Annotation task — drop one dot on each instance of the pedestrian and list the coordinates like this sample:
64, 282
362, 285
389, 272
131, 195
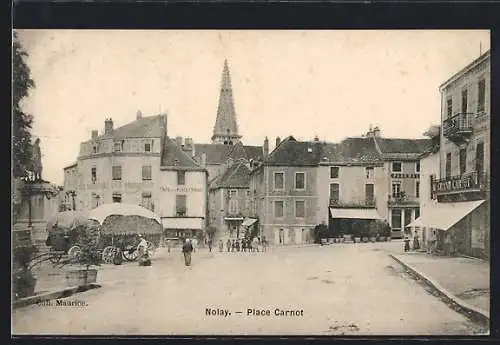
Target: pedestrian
407, 242
433, 241
243, 245
221, 246
169, 245
143, 254
233, 246
238, 245
416, 241
194, 244
187, 249
264, 244
228, 245
210, 245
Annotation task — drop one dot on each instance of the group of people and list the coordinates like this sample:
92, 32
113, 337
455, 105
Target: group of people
244, 245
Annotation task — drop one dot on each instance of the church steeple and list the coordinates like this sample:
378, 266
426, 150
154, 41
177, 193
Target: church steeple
226, 128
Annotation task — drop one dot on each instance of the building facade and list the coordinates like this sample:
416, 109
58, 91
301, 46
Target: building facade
70, 187
230, 202
122, 164
462, 188
182, 186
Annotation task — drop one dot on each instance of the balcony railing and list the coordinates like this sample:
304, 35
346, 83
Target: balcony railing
458, 126
466, 183
368, 203
402, 200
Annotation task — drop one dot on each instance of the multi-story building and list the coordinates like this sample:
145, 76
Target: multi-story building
429, 169
182, 185
229, 198
70, 187
284, 191
351, 184
402, 170
462, 187
122, 164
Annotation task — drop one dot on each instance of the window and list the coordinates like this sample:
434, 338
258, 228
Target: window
464, 101
370, 173
417, 189
94, 149
146, 172
396, 189
233, 193
447, 167
417, 167
397, 167
117, 197
300, 209
117, 147
181, 178
334, 172
462, 160
278, 209
279, 180
147, 147
180, 205
117, 172
449, 107
300, 180
334, 192
396, 218
93, 174
370, 193
147, 201
481, 95
480, 157
247, 193
233, 206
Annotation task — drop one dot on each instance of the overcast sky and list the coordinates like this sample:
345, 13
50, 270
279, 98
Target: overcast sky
305, 83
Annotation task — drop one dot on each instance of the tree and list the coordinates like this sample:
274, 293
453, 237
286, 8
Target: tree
22, 122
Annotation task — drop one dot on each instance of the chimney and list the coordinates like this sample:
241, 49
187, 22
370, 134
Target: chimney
316, 138
94, 134
193, 151
178, 141
138, 115
265, 148
108, 126
188, 144
278, 141
376, 132
203, 159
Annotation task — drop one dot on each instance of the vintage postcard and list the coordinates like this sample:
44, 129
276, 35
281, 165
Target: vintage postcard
298, 182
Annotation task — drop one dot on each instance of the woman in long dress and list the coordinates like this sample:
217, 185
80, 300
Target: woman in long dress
187, 249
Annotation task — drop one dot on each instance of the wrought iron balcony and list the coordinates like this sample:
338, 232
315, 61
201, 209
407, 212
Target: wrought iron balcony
458, 127
402, 200
472, 182
367, 203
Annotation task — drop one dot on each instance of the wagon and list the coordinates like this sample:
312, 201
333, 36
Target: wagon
120, 224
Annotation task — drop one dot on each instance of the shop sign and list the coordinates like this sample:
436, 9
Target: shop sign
455, 184
181, 189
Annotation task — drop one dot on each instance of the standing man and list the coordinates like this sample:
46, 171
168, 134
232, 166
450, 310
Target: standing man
221, 246
210, 244
228, 245
187, 249
194, 243
169, 245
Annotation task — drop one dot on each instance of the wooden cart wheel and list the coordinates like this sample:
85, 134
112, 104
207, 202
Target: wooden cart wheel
108, 253
73, 252
54, 256
130, 255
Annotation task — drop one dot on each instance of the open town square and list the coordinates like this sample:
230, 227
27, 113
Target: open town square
265, 189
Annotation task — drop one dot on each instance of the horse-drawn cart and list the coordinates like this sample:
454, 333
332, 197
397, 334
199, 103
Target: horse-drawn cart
118, 225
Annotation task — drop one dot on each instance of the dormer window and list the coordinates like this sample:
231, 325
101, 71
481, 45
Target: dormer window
117, 147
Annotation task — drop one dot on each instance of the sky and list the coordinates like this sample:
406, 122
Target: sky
329, 83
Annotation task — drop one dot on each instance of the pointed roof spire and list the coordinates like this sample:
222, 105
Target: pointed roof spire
226, 127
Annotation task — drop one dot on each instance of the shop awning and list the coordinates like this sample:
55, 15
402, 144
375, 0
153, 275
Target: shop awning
233, 218
249, 221
444, 215
355, 213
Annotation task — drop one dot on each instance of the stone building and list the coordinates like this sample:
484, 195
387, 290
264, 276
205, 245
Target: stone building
182, 198
462, 188
122, 164
70, 187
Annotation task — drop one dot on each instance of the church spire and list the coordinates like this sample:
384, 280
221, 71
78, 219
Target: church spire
226, 128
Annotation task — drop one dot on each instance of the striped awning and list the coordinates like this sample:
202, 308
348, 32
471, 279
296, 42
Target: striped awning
249, 221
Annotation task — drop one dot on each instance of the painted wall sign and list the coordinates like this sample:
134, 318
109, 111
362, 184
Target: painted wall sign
400, 175
459, 183
181, 189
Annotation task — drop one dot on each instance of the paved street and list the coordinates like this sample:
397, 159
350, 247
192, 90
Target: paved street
342, 289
